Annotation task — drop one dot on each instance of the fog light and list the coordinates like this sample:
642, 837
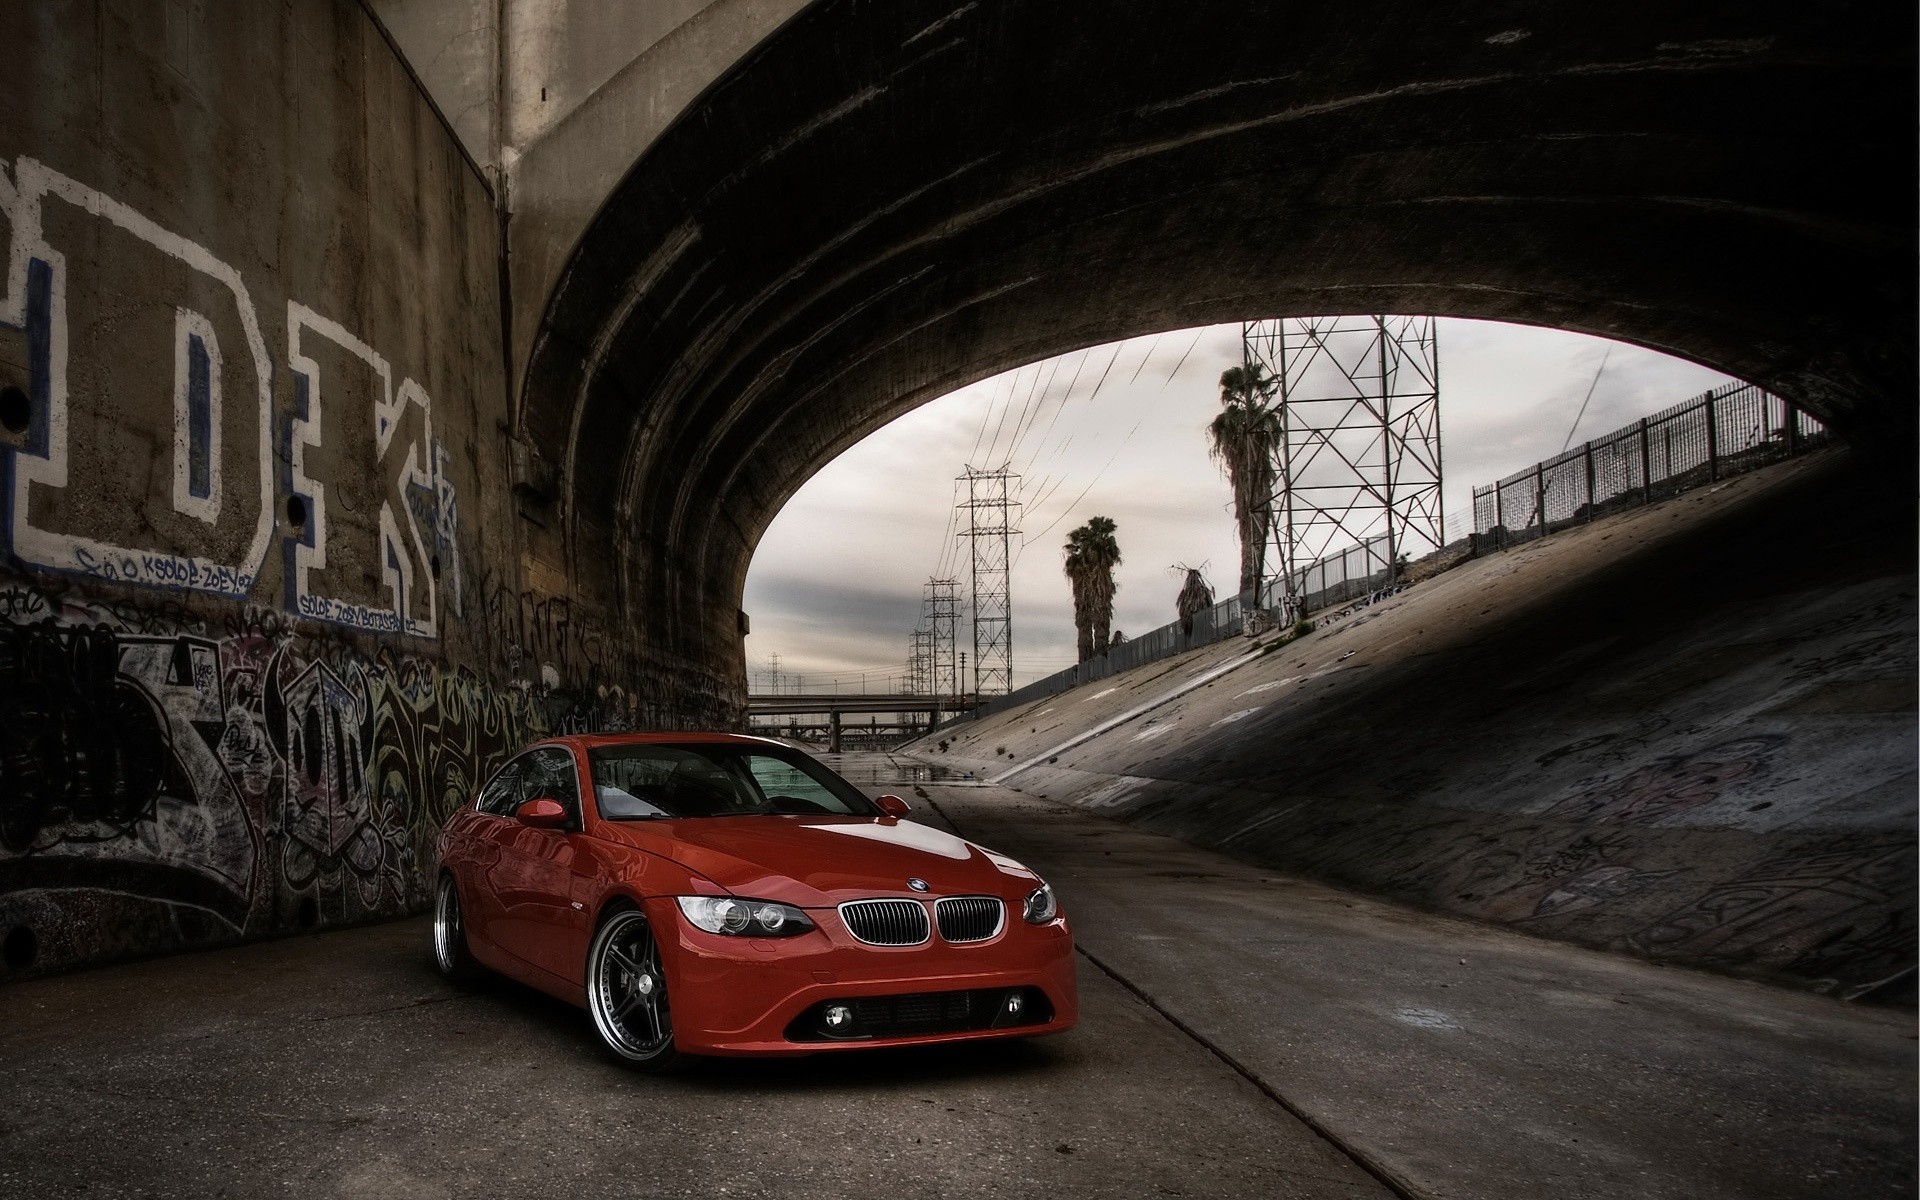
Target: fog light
839, 1016
1013, 1005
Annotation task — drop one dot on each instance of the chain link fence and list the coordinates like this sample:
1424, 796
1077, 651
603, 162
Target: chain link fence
1344, 575
1723, 432
1339, 577
1211, 625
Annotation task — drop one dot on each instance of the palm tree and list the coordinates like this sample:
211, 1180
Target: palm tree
1092, 554
1243, 439
1195, 598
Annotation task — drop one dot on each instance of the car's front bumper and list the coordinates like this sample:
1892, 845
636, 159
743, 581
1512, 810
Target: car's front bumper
740, 995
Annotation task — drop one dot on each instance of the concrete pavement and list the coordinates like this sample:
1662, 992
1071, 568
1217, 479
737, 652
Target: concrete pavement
341, 1065
1465, 1060
1243, 1034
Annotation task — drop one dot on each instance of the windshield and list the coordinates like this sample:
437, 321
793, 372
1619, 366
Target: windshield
716, 780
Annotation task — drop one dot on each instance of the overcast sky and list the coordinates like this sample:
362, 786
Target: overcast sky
835, 589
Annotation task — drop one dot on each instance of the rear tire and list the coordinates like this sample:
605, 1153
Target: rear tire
450, 954
627, 993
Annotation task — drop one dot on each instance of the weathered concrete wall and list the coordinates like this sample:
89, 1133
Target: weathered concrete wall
261, 618
454, 49
558, 99
1686, 733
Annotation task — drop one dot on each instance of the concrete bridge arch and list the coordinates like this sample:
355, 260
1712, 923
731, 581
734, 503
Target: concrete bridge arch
880, 203
339, 463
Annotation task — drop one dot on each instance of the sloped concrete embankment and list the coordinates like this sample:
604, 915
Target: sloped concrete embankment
1687, 733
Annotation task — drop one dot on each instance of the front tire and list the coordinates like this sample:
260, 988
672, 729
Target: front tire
627, 993
450, 953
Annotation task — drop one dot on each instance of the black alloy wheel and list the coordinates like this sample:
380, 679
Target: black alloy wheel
627, 992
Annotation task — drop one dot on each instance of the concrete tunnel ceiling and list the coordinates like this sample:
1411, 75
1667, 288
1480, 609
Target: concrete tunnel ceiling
884, 202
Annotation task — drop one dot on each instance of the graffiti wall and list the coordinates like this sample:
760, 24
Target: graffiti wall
167, 781
369, 514
255, 523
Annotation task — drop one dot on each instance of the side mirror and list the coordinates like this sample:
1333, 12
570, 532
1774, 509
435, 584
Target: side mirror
894, 806
543, 812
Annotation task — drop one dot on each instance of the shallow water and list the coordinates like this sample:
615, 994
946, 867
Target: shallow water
869, 770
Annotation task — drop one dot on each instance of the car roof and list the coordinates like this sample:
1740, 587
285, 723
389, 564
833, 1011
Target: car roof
594, 741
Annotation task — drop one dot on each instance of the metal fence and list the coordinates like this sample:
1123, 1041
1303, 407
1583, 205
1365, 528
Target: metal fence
1345, 575
1339, 577
1211, 625
1723, 432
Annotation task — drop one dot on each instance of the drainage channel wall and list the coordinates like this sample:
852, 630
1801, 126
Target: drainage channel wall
1659, 734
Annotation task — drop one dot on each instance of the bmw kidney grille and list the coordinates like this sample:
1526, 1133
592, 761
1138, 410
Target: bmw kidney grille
969, 918
886, 922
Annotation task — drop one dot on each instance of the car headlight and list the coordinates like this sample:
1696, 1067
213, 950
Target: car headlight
1041, 907
743, 918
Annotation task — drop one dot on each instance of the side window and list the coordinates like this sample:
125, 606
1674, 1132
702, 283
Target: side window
789, 789
636, 782
502, 795
551, 773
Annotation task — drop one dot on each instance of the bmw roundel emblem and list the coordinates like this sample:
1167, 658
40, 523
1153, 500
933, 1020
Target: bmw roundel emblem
918, 885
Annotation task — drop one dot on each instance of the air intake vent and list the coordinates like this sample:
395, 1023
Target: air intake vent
969, 918
886, 922
921, 1014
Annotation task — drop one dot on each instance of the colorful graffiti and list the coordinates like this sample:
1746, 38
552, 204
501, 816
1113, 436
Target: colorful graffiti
263, 781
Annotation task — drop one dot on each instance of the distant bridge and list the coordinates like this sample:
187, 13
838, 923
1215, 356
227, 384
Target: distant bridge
835, 706
854, 702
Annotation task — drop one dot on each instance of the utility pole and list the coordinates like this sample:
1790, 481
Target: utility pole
990, 503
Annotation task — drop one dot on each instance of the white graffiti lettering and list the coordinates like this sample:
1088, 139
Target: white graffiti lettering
210, 522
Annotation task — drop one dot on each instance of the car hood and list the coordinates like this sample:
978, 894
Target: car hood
816, 862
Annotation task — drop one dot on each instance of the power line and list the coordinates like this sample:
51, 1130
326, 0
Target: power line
1168, 382
1005, 409
1036, 398
1091, 397
986, 414
1066, 397
1151, 347
1583, 403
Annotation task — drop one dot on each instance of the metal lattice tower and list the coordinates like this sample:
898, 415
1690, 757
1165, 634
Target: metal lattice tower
1357, 457
942, 607
990, 503
919, 663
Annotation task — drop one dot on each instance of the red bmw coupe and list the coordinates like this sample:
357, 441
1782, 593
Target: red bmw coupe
718, 894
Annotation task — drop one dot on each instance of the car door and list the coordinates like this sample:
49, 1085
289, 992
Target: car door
489, 829
539, 878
